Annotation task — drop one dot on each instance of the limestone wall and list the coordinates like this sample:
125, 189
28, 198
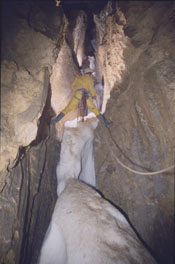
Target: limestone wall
136, 60
31, 38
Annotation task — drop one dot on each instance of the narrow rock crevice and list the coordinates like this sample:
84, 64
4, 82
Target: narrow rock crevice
131, 46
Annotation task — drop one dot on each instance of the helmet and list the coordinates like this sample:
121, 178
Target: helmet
88, 70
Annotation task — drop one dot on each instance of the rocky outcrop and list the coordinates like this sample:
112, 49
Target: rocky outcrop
23, 99
28, 53
31, 41
103, 235
136, 60
27, 202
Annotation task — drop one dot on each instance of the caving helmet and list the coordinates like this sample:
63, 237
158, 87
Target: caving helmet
87, 70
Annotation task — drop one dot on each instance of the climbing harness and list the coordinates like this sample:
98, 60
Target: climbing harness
83, 104
129, 169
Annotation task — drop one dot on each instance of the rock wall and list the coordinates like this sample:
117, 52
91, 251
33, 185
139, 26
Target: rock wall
135, 58
28, 53
135, 61
32, 34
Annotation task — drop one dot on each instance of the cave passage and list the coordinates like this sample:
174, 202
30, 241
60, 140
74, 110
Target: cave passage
76, 157
130, 45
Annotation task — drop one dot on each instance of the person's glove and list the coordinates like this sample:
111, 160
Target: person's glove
57, 119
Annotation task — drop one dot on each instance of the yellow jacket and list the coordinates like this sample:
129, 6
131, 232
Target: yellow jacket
86, 82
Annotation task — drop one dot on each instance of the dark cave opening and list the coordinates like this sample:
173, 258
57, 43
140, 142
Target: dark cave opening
89, 6
90, 36
71, 9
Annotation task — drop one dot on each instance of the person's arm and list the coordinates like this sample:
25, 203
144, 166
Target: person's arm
74, 84
91, 88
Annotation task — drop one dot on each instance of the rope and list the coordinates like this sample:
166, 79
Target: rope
83, 103
134, 171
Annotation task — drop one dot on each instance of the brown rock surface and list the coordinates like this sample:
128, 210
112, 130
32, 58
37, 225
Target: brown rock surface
136, 60
63, 74
30, 44
27, 57
66, 69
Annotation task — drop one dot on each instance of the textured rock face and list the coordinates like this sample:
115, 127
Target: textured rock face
23, 99
141, 74
27, 56
66, 69
30, 43
63, 74
135, 60
102, 232
27, 202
